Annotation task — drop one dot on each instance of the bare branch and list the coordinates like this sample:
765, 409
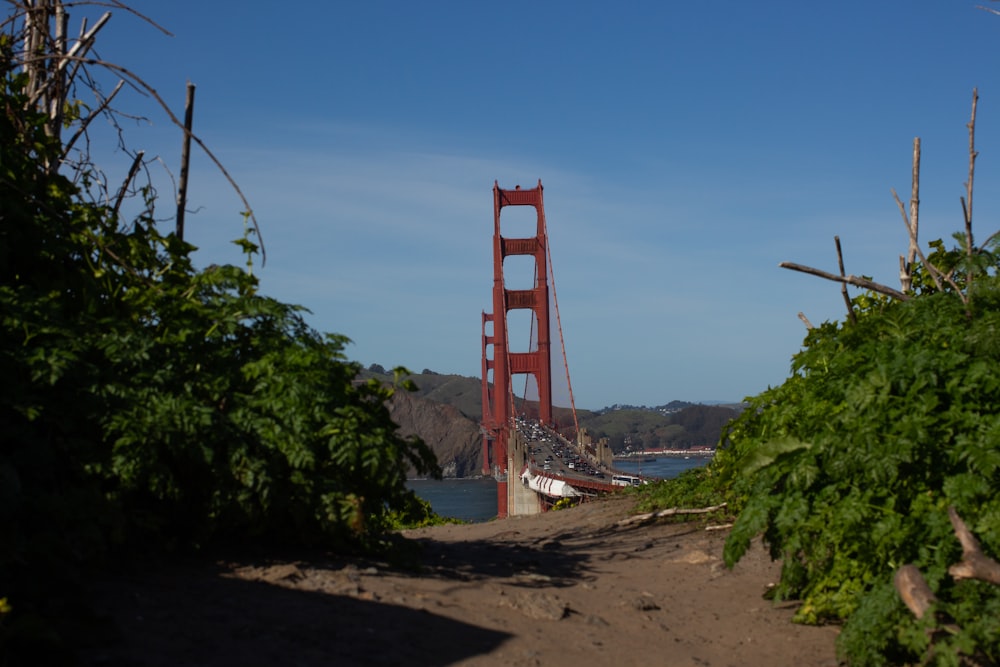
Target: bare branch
936, 275
142, 85
73, 55
805, 320
185, 160
912, 223
990, 238
57, 79
849, 279
117, 4
843, 286
85, 122
46, 63
967, 205
136, 163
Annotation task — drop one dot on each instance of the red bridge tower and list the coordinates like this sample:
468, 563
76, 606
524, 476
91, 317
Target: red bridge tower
498, 368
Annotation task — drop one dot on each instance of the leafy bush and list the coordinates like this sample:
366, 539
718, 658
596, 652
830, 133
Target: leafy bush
147, 405
848, 469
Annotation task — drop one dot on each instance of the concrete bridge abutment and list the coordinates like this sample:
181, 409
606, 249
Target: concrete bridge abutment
521, 500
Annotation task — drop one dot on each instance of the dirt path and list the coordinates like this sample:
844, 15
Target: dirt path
568, 588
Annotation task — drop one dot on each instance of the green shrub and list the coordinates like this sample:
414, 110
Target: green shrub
849, 467
149, 406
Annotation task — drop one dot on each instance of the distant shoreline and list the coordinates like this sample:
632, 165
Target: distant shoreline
705, 453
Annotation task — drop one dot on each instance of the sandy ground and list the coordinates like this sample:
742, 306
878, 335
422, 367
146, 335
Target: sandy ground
568, 588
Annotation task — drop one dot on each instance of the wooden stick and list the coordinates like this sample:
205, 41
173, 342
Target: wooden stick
931, 269
912, 224
850, 279
967, 204
185, 159
843, 286
73, 55
136, 163
57, 78
973, 154
721, 526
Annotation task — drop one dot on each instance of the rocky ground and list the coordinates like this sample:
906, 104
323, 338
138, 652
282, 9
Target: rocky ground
568, 588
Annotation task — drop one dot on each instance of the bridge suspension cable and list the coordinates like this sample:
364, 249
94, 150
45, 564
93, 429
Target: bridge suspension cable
562, 341
526, 397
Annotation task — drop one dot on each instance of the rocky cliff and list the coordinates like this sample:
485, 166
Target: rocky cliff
454, 437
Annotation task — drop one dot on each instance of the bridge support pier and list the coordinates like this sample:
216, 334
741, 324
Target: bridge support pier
521, 501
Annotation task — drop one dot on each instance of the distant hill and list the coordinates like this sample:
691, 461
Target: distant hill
445, 412
643, 428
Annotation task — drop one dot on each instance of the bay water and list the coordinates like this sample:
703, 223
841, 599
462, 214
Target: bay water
664, 467
475, 499
468, 499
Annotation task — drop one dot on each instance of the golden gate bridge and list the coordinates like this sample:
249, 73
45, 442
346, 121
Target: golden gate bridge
505, 453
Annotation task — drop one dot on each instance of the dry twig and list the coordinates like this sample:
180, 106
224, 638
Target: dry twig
47, 59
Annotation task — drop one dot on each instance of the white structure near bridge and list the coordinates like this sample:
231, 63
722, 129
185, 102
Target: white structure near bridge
554, 488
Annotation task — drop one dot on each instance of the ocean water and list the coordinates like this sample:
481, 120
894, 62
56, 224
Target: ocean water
475, 500
466, 499
664, 467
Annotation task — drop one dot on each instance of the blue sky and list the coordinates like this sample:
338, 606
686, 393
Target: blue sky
686, 148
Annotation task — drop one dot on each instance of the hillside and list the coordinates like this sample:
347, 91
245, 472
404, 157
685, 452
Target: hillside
445, 412
694, 425
446, 409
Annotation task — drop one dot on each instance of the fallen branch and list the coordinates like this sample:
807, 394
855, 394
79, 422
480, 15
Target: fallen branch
672, 511
913, 589
721, 526
975, 564
918, 596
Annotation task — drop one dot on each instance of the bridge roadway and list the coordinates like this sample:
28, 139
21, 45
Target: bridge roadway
548, 459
